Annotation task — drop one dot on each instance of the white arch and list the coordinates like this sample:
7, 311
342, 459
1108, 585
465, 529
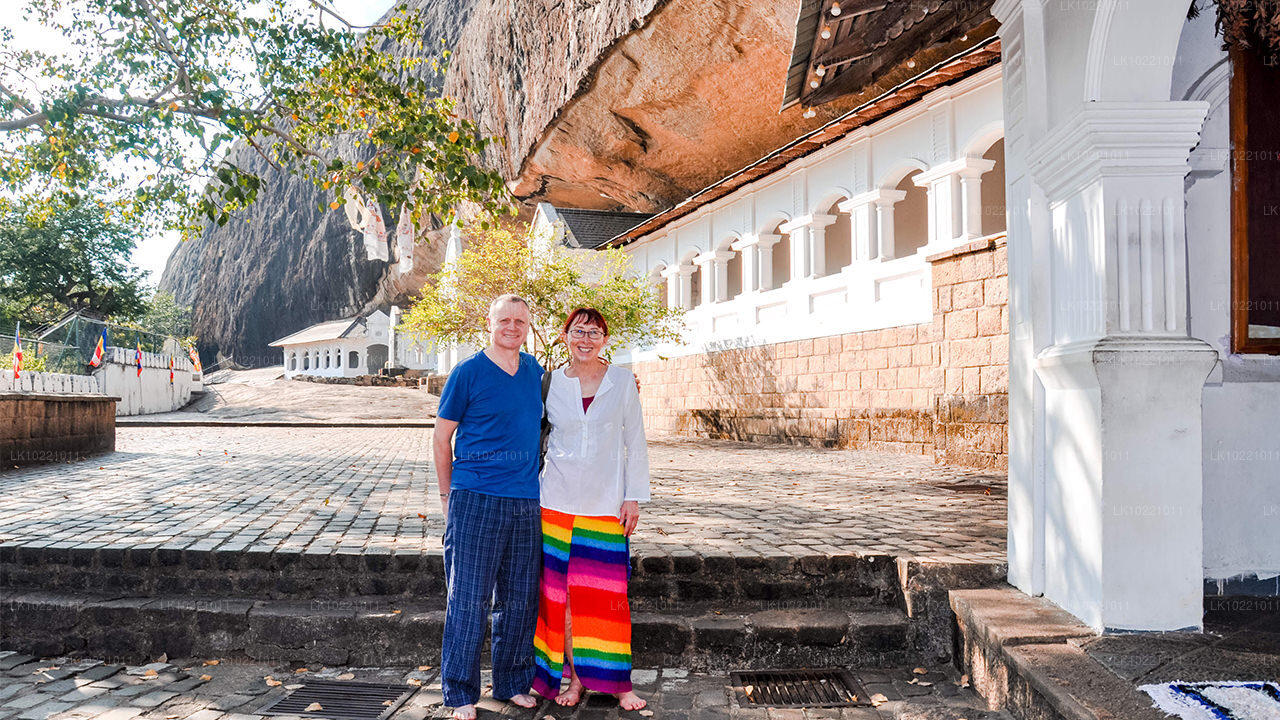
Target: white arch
726, 240
772, 220
829, 197
983, 139
1131, 50
900, 170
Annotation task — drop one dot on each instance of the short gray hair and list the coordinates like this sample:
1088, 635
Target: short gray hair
507, 298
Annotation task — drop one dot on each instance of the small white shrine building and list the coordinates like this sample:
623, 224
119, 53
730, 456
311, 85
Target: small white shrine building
353, 346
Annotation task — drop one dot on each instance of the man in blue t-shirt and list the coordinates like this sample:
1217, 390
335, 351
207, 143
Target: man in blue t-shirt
489, 492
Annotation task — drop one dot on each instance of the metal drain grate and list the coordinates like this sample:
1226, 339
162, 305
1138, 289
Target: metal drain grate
342, 700
816, 688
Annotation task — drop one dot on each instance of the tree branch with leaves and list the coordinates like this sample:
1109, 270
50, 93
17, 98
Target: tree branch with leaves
507, 258
149, 95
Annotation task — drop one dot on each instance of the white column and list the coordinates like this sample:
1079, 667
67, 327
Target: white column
872, 216
955, 201
818, 244
679, 288
971, 201
672, 275
706, 269
1122, 431
764, 243
746, 245
715, 275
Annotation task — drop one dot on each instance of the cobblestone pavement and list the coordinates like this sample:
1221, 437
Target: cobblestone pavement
80, 689
283, 489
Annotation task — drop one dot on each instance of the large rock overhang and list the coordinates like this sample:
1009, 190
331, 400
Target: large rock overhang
951, 70
642, 103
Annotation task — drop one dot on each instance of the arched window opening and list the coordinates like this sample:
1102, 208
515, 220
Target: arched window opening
353, 359
837, 243
910, 218
695, 287
993, 199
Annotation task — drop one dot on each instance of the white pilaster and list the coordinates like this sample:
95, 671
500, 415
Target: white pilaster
1122, 431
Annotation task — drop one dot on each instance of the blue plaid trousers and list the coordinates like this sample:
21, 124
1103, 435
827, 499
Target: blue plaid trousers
492, 562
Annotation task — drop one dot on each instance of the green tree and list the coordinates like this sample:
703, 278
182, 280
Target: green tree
158, 89
165, 316
54, 260
502, 259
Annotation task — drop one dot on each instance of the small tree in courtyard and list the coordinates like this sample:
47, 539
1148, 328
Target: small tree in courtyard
455, 301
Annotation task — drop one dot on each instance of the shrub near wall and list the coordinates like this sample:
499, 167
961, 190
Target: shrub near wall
938, 388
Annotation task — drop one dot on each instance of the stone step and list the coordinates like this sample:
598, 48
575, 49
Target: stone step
380, 632
248, 573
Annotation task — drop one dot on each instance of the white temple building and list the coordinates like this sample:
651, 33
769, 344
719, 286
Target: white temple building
353, 346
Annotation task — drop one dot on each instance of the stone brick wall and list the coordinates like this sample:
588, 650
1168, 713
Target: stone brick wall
54, 428
865, 390
970, 305
937, 388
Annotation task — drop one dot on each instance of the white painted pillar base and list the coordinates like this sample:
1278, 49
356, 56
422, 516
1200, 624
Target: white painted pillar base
1123, 536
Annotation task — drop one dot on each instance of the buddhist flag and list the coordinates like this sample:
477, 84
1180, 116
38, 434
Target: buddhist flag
137, 356
195, 358
96, 360
170, 369
17, 351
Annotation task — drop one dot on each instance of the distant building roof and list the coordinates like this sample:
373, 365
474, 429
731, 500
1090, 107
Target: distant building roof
590, 229
332, 330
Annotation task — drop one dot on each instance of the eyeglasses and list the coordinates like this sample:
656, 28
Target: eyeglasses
580, 333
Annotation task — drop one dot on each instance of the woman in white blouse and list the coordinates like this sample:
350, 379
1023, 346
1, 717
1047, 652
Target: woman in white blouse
595, 477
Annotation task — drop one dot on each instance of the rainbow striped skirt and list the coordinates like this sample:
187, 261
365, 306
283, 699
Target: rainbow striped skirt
585, 566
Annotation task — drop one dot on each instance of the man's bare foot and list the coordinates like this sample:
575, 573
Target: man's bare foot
631, 701
465, 712
570, 695
523, 700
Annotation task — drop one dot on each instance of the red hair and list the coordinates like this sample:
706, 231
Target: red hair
590, 316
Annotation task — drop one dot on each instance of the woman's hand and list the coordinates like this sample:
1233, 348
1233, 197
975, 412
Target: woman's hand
629, 516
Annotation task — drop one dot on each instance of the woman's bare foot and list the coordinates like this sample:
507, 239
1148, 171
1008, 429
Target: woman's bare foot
465, 712
523, 700
631, 701
570, 695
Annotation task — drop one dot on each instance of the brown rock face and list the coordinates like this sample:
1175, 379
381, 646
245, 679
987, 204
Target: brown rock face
688, 97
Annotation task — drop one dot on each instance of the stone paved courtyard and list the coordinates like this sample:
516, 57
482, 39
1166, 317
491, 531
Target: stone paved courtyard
80, 689
355, 489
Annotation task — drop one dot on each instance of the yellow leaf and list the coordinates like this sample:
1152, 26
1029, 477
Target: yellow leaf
396, 612
315, 707
414, 681
206, 678
212, 662
423, 668
919, 671
150, 673
453, 136
360, 165
334, 206
272, 682
386, 703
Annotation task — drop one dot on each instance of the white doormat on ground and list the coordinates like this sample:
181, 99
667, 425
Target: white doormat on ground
1217, 701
